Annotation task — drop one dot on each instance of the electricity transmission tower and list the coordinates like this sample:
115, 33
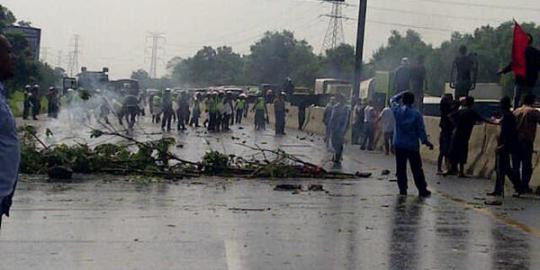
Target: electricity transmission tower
156, 38
73, 65
334, 34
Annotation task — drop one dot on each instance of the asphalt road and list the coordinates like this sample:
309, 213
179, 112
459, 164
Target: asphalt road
104, 222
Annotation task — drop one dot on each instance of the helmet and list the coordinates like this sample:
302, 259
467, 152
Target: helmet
27, 86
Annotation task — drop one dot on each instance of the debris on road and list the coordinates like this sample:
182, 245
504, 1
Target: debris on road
153, 158
385, 172
316, 187
287, 187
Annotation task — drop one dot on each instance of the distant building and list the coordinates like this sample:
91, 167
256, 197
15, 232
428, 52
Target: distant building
33, 35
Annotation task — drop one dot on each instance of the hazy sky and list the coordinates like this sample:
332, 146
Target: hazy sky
113, 32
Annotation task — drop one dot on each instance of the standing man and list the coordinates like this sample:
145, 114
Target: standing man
279, 113
527, 119
26, 102
525, 84
167, 109
505, 147
370, 117
464, 120
131, 108
463, 75
418, 82
358, 121
35, 101
339, 122
447, 106
240, 106
386, 117
9, 143
402, 76
326, 120
182, 111
409, 130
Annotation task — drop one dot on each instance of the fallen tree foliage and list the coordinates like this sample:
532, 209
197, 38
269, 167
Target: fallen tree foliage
153, 158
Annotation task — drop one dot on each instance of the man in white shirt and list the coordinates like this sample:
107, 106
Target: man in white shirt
386, 117
369, 126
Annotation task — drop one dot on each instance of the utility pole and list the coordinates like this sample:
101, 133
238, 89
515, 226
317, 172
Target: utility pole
359, 56
334, 34
73, 66
156, 38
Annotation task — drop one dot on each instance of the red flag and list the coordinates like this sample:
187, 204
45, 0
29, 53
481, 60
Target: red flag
521, 41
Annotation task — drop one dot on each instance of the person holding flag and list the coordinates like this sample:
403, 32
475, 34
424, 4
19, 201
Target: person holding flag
525, 64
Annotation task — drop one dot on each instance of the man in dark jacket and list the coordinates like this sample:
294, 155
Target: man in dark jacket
525, 85
402, 77
505, 147
463, 74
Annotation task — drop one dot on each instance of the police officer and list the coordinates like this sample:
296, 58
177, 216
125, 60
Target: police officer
280, 113
131, 108
26, 102
167, 109
34, 101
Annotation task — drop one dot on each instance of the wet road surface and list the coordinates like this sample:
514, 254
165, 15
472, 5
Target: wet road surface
100, 222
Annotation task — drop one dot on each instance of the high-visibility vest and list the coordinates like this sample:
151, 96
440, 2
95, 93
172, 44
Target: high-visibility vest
260, 105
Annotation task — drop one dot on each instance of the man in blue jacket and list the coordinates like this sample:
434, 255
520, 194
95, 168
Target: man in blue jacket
339, 123
408, 134
9, 142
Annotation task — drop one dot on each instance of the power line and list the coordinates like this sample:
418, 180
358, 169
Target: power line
438, 15
469, 4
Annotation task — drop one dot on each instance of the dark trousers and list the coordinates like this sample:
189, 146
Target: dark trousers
356, 132
239, 115
301, 118
131, 116
388, 147
212, 118
415, 161
194, 121
522, 159
26, 108
225, 121
167, 119
368, 136
503, 170
181, 124
337, 144
280, 123
520, 91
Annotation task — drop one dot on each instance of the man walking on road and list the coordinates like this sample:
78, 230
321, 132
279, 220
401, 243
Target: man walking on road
506, 145
409, 130
527, 119
280, 113
339, 121
370, 116
9, 142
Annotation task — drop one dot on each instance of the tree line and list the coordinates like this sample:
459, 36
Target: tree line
27, 70
278, 55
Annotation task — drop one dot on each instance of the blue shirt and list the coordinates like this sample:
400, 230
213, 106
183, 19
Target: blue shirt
409, 129
10, 154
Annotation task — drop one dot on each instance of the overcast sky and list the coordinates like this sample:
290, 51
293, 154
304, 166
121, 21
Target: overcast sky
113, 32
